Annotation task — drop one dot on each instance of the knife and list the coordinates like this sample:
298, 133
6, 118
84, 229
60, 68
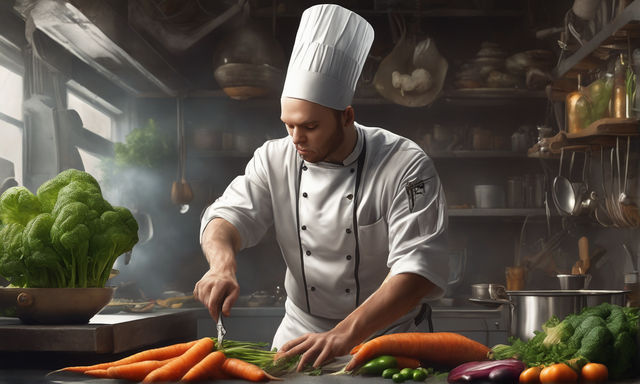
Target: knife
221, 330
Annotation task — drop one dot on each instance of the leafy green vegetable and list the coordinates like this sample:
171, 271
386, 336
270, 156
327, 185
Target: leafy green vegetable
144, 147
604, 334
557, 333
66, 236
18, 205
48, 191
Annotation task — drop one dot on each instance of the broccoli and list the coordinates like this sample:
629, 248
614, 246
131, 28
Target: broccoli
86, 193
44, 266
596, 345
18, 205
70, 237
48, 191
67, 235
617, 321
118, 234
589, 322
632, 314
12, 265
624, 352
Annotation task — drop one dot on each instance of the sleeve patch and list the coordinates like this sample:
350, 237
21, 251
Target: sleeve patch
416, 194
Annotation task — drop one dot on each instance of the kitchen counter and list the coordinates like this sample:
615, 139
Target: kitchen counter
104, 334
35, 376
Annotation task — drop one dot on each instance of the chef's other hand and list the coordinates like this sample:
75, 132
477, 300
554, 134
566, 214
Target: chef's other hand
217, 289
317, 348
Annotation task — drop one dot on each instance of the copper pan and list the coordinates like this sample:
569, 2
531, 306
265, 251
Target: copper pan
55, 305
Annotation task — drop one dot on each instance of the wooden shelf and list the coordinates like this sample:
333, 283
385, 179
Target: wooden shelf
468, 154
601, 133
620, 28
496, 212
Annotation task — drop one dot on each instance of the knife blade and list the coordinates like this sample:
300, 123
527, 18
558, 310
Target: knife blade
221, 330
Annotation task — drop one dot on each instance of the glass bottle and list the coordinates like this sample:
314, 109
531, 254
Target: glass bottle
619, 89
578, 110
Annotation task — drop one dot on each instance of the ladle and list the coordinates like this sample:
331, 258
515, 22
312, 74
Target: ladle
181, 193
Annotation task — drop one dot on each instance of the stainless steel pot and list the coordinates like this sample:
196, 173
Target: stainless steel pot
531, 309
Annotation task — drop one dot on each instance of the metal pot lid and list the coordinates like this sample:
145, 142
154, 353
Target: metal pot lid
558, 292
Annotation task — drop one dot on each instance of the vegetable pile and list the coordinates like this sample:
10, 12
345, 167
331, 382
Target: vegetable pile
67, 235
604, 334
196, 360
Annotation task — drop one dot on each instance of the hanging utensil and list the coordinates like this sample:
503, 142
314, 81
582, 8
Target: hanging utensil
627, 206
602, 215
181, 193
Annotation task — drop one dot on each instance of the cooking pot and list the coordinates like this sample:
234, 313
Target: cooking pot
531, 309
55, 305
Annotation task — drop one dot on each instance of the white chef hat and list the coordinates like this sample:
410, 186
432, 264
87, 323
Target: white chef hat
331, 47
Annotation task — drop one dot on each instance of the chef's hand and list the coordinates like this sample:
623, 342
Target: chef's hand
217, 289
318, 348
219, 286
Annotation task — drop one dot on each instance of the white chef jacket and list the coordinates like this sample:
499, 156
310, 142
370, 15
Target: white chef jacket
331, 269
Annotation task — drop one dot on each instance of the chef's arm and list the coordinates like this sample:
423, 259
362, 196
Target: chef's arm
219, 286
395, 297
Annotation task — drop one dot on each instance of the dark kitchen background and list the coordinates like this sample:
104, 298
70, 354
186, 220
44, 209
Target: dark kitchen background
132, 60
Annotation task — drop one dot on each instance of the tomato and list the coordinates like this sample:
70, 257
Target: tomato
558, 373
594, 372
530, 375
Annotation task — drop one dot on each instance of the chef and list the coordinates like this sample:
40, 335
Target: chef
359, 212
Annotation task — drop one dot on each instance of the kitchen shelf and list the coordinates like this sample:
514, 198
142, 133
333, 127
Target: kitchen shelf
462, 154
470, 97
469, 154
423, 13
496, 212
624, 26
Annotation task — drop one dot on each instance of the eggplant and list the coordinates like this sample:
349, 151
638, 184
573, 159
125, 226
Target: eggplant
499, 371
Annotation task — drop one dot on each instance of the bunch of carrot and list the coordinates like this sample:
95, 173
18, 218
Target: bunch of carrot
193, 361
441, 348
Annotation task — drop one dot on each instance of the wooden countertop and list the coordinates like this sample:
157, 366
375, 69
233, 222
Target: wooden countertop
112, 333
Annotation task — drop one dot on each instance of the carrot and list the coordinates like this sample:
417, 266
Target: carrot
174, 370
206, 367
101, 373
407, 362
355, 349
161, 353
442, 348
136, 371
246, 371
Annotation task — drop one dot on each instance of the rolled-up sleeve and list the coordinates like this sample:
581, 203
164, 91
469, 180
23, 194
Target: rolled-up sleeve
246, 203
417, 221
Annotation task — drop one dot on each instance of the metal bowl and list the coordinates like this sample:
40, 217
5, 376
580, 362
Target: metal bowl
55, 305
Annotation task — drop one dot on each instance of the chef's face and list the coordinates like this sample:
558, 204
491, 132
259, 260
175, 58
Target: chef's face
317, 132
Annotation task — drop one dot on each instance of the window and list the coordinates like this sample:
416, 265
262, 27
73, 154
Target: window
92, 118
98, 116
11, 122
